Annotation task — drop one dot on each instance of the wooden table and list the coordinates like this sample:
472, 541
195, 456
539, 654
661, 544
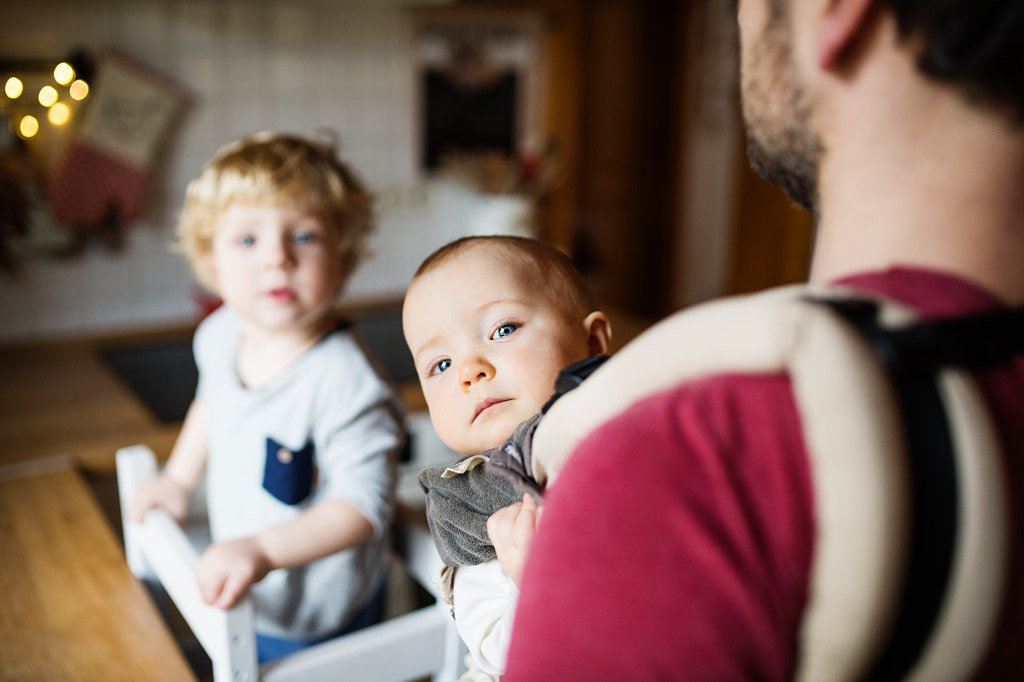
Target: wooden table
69, 607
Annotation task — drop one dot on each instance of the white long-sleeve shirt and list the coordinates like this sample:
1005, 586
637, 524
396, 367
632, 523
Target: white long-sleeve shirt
485, 602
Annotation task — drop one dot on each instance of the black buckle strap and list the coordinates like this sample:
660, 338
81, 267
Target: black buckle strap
974, 341
912, 357
572, 376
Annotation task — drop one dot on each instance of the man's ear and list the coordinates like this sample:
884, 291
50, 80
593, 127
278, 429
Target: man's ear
599, 333
841, 25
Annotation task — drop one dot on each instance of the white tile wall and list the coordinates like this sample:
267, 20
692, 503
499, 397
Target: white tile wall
274, 64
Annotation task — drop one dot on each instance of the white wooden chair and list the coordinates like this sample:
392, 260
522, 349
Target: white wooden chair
419, 644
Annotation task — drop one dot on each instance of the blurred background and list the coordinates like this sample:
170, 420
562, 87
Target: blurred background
609, 128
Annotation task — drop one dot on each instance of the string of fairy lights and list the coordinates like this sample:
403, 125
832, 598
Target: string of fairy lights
57, 99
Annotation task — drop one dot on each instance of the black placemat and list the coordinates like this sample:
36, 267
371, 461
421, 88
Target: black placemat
163, 374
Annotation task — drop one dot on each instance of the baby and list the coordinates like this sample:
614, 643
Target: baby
296, 433
491, 322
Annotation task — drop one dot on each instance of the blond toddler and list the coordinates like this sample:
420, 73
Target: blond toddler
293, 429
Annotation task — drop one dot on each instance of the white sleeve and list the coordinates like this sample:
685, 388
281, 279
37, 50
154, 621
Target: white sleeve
485, 603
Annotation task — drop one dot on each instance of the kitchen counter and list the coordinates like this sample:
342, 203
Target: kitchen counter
61, 398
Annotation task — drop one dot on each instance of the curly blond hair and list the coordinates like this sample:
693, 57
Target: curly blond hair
276, 169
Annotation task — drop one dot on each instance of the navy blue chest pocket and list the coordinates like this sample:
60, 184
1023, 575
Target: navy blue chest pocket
288, 474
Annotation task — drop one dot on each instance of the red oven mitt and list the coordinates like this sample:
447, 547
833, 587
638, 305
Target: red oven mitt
103, 175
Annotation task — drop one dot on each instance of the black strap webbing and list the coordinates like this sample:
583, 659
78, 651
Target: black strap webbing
913, 357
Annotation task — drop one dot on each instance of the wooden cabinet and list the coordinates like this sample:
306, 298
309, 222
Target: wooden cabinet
626, 101
772, 237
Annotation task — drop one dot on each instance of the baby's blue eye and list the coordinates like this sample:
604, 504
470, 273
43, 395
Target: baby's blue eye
440, 366
503, 331
304, 238
247, 240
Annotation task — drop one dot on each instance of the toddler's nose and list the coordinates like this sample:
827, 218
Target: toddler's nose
277, 254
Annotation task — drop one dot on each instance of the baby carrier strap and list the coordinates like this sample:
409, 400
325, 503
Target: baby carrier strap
915, 356
861, 468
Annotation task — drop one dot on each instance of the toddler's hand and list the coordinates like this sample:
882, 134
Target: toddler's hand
159, 492
512, 530
227, 569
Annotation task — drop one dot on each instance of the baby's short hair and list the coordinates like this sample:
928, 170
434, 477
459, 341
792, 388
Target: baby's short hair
277, 169
550, 265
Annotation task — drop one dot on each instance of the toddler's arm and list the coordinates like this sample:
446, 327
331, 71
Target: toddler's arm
227, 569
511, 531
170, 489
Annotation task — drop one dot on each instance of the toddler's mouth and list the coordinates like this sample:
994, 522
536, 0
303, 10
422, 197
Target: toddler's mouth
283, 295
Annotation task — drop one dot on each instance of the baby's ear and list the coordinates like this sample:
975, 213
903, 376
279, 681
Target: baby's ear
599, 333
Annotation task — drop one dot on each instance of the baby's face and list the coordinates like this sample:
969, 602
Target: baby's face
488, 344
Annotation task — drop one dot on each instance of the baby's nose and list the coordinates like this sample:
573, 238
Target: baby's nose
474, 370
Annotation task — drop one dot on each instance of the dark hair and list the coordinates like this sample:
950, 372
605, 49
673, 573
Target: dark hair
975, 44
551, 265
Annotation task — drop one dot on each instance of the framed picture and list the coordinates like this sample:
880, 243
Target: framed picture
479, 78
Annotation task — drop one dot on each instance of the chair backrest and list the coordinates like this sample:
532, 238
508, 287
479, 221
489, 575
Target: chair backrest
413, 645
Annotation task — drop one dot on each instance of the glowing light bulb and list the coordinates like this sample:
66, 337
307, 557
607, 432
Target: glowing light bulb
28, 127
79, 90
47, 95
14, 87
63, 74
59, 114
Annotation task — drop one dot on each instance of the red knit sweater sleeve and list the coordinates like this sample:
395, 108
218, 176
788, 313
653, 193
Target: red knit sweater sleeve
676, 543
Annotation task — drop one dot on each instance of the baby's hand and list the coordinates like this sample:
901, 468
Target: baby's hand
159, 492
227, 569
512, 530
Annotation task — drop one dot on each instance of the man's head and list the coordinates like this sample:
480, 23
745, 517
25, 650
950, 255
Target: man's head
976, 48
490, 322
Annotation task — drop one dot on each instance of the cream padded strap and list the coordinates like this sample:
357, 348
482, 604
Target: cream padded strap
854, 440
969, 615
737, 334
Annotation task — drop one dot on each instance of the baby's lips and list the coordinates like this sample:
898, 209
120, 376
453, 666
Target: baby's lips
486, 403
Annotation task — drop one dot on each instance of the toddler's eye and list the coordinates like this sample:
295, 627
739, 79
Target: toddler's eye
503, 331
246, 240
439, 366
304, 238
